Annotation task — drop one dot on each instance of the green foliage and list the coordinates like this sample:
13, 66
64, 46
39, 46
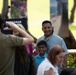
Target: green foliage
14, 12
71, 61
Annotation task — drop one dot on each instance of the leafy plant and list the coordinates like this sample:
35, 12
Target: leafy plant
71, 61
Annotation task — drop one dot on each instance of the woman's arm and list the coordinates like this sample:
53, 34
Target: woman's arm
49, 72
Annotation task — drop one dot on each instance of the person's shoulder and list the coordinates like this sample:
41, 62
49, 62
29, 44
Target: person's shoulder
8, 36
40, 38
57, 36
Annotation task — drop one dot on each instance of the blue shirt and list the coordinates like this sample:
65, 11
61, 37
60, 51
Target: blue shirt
39, 58
54, 40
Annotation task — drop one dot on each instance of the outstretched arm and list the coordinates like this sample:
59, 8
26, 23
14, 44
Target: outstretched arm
27, 39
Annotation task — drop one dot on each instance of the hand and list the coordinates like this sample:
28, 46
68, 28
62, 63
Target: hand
12, 26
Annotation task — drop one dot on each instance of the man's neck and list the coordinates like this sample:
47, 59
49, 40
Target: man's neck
47, 36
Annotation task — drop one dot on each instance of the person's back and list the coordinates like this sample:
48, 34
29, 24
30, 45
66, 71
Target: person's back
24, 62
7, 53
7, 47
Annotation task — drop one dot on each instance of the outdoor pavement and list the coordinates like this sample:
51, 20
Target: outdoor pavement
60, 28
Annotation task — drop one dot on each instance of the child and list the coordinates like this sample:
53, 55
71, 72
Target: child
41, 47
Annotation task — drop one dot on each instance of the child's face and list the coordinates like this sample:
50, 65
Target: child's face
42, 49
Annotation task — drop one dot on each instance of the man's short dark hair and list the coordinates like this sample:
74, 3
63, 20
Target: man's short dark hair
46, 21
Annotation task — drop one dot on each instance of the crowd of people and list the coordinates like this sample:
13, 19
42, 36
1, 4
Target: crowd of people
16, 58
